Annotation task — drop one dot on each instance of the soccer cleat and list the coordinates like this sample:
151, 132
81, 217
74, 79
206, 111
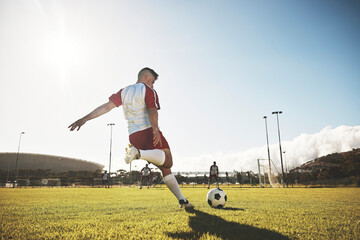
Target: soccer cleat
185, 204
131, 154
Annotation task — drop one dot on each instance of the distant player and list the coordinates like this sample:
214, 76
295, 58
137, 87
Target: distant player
155, 179
145, 175
105, 179
141, 104
214, 173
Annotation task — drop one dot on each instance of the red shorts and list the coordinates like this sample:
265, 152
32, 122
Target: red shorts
144, 140
144, 177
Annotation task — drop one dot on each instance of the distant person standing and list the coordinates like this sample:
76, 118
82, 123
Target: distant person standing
214, 173
105, 179
145, 174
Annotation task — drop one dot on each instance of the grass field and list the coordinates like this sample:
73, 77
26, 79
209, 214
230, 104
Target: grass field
130, 213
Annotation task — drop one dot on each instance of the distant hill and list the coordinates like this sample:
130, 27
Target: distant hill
336, 165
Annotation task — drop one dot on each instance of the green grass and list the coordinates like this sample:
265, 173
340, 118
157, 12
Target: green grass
130, 213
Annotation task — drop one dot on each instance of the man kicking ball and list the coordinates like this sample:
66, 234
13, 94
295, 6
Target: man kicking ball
141, 104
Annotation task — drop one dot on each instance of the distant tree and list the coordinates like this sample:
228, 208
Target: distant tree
351, 163
323, 174
135, 176
205, 178
178, 177
305, 178
238, 177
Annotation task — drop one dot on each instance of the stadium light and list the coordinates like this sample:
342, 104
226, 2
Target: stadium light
111, 125
286, 168
286, 163
267, 142
281, 158
17, 160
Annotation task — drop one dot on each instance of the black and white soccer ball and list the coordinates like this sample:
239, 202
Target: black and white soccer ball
216, 198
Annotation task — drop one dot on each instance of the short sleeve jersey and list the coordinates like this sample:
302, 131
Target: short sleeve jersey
213, 170
105, 177
146, 171
136, 99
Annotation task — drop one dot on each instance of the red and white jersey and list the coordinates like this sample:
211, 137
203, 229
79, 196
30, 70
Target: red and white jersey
214, 170
145, 171
136, 99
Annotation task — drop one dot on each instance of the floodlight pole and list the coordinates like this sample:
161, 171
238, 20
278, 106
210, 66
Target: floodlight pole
267, 142
17, 160
281, 158
111, 125
286, 169
286, 163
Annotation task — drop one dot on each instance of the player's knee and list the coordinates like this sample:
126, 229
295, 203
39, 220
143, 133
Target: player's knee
165, 171
168, 160
168, 163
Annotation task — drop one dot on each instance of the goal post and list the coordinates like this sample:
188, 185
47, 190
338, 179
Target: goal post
267, 174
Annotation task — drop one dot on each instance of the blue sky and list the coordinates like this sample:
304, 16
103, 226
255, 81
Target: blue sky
223, 65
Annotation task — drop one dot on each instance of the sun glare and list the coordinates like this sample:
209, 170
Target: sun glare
63, 54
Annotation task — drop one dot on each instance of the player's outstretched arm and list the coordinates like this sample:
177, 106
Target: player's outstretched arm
106, 107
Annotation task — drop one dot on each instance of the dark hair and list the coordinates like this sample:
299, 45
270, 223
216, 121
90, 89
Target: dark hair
150, 70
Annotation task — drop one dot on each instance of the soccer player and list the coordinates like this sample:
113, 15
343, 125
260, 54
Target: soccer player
145, 174
155, 179
105, 179
214, 172
141, 104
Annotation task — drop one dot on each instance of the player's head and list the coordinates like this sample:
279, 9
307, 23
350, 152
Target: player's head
146, 165
148, 76
214, 163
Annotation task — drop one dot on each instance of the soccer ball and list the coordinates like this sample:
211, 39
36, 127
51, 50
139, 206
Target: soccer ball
216, 198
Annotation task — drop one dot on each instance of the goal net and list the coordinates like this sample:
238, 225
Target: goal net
268, 174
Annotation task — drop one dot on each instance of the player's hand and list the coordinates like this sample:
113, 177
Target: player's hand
77, 124
157, 137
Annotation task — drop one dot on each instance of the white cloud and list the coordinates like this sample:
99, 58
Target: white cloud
299, 150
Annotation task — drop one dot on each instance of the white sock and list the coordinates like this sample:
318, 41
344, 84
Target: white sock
173, 185
155, 156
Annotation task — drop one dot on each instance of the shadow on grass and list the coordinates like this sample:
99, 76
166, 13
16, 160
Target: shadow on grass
231, 209
204, 223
